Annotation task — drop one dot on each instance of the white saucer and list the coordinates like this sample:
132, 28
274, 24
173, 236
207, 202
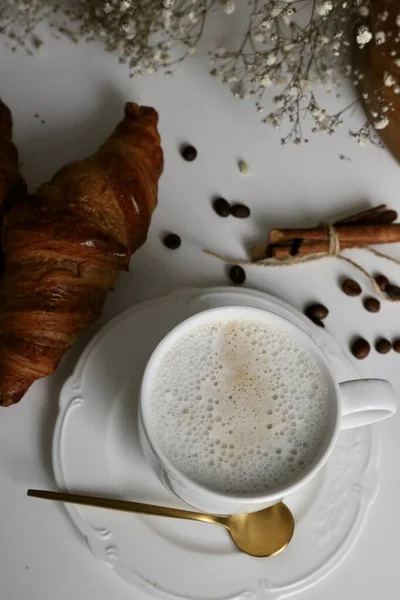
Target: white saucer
96, 450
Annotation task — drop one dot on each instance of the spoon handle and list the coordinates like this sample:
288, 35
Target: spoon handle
126, 506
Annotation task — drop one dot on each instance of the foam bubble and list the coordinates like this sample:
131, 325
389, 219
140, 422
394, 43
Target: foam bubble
239, 406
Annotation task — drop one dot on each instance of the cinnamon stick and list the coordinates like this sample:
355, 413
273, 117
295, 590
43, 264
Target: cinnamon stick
370, 214
383, 217
361, 235
353, 232
287, 243
286, 251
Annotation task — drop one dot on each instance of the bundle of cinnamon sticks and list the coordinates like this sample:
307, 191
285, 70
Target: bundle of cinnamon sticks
367, 228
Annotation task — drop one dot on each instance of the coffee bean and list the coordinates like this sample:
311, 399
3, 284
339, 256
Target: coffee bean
396, 345
222, 207
240, 211
317, 321
383, 346
188, 152
351, 287
172, 241
360, 348
237, 274
372, 305
393, 291
317, 311
381, 281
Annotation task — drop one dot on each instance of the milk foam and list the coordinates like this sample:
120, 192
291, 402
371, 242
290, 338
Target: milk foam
239, 407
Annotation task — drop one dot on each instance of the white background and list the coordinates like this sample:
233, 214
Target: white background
80, 91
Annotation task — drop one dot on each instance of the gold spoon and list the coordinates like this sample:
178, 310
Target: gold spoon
262, 533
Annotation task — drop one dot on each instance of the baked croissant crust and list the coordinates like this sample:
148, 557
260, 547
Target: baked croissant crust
12, 185
65, 246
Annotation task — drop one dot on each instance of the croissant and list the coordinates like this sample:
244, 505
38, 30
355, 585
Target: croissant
12, 184
65, 246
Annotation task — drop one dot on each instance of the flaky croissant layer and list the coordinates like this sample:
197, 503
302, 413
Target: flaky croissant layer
65, 246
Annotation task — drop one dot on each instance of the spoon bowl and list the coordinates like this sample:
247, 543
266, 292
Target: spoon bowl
263, 533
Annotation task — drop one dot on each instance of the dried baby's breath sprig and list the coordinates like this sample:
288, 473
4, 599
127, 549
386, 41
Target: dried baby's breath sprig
290, 50
146, 34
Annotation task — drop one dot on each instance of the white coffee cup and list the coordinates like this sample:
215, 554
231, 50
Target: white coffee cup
354, 403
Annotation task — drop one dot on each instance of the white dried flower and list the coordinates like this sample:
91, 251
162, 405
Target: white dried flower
397, 62
363, 36
383, 16
388, 79
266, 24
323, 40
363, 11
324, 9
126, 4
230, 7
265, 81
382, 123
279, 101
396, 89
107, 7
258, 37
271, 59
362, 136
380, 37
305, 85
168, 3
244, 167
288, 47
315, 111
398, 20
193, 16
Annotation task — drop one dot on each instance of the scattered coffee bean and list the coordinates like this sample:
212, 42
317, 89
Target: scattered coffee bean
222, 207
393, 291
237, 274
383, 346
351, 287
172, 241
317, 321
317, 311
188, 152
396, 345
381, 281
372, 305
240, 211
360, 348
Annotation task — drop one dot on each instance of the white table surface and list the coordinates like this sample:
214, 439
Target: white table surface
79, 91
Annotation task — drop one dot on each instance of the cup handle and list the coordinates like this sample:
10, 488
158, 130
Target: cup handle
366, 401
